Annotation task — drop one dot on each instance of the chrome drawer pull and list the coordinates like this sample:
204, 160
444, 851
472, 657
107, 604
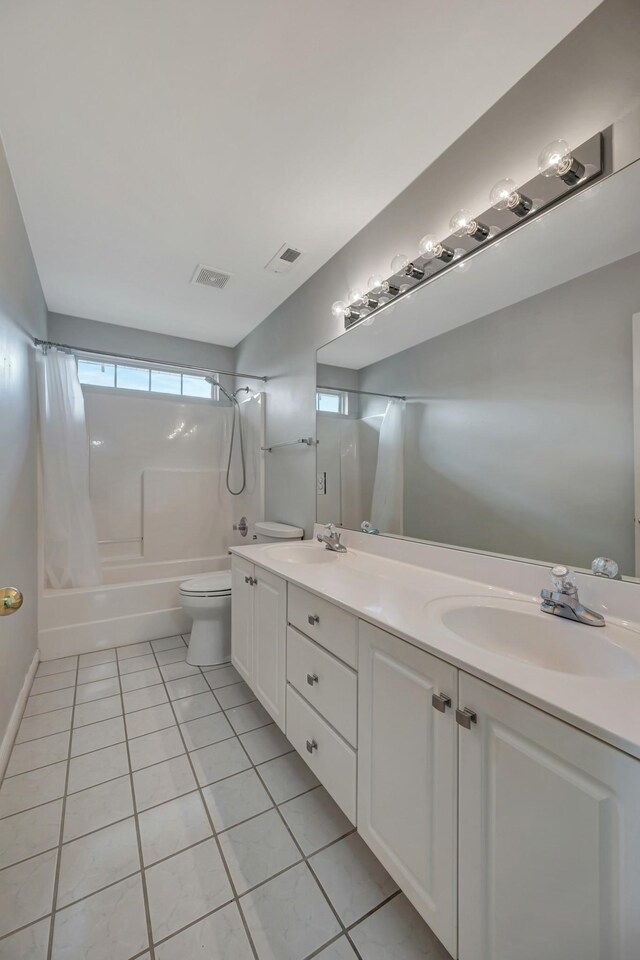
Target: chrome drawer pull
312, 678
311, 746
466, 717
440, 701
313, 618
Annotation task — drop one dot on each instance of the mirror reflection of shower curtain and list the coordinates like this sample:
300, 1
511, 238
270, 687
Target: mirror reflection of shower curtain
387, 505
70, 543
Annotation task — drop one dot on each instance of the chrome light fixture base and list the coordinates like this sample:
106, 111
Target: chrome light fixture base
576, 171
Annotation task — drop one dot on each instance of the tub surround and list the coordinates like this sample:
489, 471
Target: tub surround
389, 583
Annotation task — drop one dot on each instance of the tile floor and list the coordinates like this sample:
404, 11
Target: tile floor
151, 809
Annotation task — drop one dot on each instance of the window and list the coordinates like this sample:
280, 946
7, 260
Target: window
334, 402
124, 376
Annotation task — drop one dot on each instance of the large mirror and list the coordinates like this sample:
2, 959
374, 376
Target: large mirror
493, 409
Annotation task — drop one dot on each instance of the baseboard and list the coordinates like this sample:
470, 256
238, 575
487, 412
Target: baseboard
95, 635
16, 716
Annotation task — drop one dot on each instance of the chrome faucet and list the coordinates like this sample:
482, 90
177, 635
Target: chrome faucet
331, 539
563, 600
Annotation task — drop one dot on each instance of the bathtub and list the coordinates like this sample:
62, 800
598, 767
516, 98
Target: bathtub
138, 601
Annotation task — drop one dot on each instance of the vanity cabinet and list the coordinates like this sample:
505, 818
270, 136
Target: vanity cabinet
549, 836
258, 634
407, 772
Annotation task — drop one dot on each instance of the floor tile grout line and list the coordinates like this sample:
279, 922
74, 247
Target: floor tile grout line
302, 853
143, 879
215, 836
25, 926
199, 788
94, 893
156, 806
56, 879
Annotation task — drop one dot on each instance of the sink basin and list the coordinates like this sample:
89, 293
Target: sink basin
517, 629
304, 553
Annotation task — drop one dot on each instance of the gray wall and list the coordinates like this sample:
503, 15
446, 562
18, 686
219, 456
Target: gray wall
23, 314
523, 444
92, 335
590, 80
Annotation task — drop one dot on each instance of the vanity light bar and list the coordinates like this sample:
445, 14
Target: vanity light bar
561, 171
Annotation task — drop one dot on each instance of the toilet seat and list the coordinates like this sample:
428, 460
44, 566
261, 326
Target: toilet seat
208, 585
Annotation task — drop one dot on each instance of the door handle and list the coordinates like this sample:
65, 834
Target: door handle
311, 746
466, 717
313, 618
440, 701
11, 600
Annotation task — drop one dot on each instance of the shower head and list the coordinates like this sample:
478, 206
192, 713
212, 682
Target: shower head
216, 383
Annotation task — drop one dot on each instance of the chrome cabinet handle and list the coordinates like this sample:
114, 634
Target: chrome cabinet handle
311, 746
312, 678
313, 618
466, 717
440, 701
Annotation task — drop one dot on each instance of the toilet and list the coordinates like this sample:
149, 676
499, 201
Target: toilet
207, 600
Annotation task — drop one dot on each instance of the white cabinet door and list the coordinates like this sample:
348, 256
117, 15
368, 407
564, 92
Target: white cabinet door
549, 837
242, 575
270, 643
407, 769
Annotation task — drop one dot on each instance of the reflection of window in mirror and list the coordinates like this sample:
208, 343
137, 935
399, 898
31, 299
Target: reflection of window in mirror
333, 402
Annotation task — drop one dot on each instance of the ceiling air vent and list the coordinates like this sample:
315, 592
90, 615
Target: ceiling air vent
210, 277
284, 259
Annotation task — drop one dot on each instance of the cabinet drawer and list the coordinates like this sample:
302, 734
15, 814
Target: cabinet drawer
328, 625
331, 759
329, 685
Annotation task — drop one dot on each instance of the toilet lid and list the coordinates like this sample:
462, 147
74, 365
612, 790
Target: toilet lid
208, 585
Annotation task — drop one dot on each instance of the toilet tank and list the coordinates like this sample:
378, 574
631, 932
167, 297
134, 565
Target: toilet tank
267, 531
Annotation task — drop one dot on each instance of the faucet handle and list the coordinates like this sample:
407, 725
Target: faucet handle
331, 529
564, 579
605, 567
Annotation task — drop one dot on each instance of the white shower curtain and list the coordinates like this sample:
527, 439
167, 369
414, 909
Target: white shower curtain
70, 544
387, 505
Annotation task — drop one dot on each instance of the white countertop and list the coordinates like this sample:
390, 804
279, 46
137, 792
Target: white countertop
393, 595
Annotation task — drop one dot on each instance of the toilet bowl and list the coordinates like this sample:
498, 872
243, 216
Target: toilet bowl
207, 600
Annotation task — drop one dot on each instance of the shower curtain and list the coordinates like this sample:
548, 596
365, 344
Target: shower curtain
70, 544
387, 505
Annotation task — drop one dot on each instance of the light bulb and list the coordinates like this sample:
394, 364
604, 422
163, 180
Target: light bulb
338, 309
506, 196
356, 295
374, 283
500, 193
556, 161
551, 157
399, 262
462, 224
428, 246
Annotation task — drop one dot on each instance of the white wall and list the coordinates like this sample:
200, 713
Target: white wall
22, 315
589, 81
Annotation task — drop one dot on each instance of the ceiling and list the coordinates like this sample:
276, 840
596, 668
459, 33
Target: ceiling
147, 136
587, 231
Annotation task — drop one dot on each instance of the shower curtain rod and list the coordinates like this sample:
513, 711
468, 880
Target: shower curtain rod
366, 393
150, 360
